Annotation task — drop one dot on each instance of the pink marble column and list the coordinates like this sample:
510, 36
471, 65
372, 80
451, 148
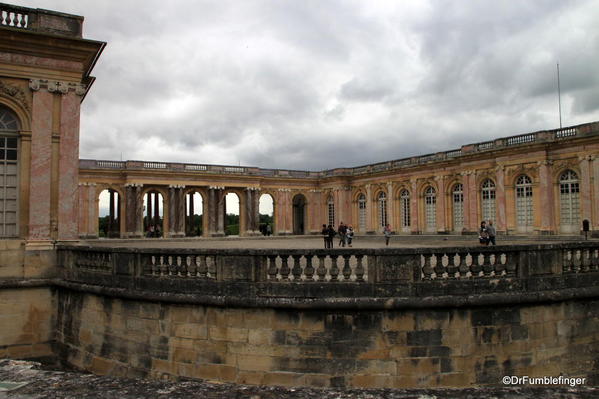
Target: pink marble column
466, 191
81, 193
391, 208
370, 226
595, 171
41, 162
473, 202
441, 201
547, 202
414, 199
585, 188
501, 222
68, 166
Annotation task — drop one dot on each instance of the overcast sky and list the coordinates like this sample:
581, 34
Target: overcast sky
321, 84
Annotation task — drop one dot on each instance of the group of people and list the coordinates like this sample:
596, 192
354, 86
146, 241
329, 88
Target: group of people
486, 233
265, 229
346, 235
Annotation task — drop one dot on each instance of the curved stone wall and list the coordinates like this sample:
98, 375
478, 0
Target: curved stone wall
386, 348
434, 328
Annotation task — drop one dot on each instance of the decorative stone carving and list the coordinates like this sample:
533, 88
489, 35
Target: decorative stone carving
16, 93
56, 86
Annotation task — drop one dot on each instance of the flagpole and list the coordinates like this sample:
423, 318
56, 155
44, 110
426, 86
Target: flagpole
559, 98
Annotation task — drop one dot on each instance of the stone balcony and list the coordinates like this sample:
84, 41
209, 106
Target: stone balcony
40, 21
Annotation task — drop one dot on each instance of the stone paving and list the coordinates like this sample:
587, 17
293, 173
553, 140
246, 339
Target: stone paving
51, 383
307, 242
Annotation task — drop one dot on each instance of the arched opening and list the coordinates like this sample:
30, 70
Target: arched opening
194, 212
430, 209
231, 214
153, 214
266, 210
524, 204
382, 200
404, 203
299, 214
362, 213
9, 162
109, 211
488, 200
457, 197
569, 200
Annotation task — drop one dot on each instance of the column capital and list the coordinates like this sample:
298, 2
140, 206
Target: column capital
216, 187
585, 157
175, 186
284, 190
57, 86
133, 185
315, 191
252, 188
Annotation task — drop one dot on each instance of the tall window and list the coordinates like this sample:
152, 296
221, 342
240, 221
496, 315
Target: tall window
362, 212
9, 146
404, 198
382, 209
430, 208
569, 201
331, 208
524, 210
458, 207
488, 200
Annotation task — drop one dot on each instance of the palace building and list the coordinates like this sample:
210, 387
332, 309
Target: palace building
543, 182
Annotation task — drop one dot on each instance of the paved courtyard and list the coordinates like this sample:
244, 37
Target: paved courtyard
300, 242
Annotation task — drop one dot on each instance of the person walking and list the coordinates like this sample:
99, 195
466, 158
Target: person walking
349, 235
325, 235
342, 230
387, 233
491, 233
330, 236
483, 235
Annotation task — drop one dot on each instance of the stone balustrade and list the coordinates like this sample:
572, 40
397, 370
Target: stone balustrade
303, 274
466, 150
39, 20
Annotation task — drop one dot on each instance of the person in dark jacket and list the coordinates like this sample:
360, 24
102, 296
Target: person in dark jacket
331, 235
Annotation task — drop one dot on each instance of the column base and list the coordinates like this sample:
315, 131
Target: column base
284, 233
218, 234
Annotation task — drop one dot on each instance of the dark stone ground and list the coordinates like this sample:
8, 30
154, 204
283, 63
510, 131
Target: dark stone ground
51, 382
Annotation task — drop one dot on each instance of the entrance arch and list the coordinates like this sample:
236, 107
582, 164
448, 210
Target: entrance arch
232, 222
299, 214
266, 212
109, 214
154, 214
194, 214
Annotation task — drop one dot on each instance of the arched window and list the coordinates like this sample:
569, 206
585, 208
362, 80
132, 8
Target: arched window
362, 212
331, 208
9, 150
524, 206
458, 207
404, 198
488, 199
569, 201
382, 209
430, 209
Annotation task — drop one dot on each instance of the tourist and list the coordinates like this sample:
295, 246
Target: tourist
150, 231
491, 232
325, 235
331, 235
387, 233
483, 234
342, 230
349, 235
268, 230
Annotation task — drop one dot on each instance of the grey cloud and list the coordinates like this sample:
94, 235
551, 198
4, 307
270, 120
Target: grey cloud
314, 85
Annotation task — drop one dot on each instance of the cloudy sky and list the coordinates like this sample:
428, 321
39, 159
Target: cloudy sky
316, 84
